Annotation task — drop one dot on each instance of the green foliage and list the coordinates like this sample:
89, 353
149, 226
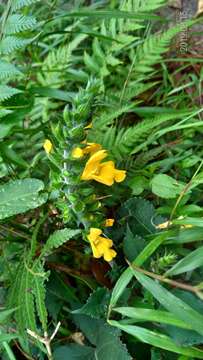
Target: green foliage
96, 305
20, 195
7, 92
76, 73
104, 338
165, 186
18, 4
58, 238
17, 23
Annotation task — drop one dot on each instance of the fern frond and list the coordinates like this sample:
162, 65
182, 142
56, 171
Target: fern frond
107, 118
18, 4
144, 5
4, 112
6, 92
122, 142
17, 23
150, 52
7, 70
11, 43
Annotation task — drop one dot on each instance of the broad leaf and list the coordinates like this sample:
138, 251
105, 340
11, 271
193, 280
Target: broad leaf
20, 196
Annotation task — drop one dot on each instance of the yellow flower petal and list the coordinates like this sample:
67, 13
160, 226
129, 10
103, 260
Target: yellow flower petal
100, 245
77, 153
109, 222
94, 233
109, 255
92, 165
91, 148
89, 126
47, 146
120, 175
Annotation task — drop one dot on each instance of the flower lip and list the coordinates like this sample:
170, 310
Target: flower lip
105, 172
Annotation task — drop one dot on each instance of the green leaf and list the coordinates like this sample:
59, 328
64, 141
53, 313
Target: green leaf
7, 337
18, 4
143, 216
132, 244
97, 304
58, 238
17, 23
157, 339
7, 91
40, 293
74, 352
171, 302
189, 263
52, 93
198, 221
11, 43
7, 70
106, 341
163, 317
165, 186
20, 196
138, 184
127, 275
6, 313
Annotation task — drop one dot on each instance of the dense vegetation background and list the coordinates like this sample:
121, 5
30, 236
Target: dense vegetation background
101, 207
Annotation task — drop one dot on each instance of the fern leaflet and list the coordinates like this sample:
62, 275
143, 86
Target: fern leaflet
17, 23
6, 92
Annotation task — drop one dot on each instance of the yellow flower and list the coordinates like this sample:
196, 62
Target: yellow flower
77, 153
109, 222
47, 146
101, 246
105, 173
91, 148
89, 126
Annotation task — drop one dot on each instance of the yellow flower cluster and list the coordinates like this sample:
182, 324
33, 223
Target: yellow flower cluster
91, 148
101, 246
102, 172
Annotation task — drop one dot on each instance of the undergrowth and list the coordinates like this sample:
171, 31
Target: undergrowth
101, 182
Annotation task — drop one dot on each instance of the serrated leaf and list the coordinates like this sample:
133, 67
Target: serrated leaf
74, 352
104, 337
40, 294
18, 4
96, 305
11, 43
58, 238
7, 91
7, 70
17, 23
132, 244
142, 213
20, 196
